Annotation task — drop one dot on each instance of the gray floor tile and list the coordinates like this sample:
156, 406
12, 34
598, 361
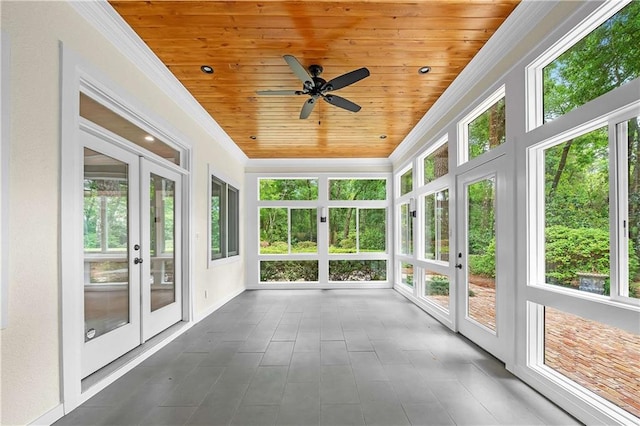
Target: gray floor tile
285, 332
169, 416
341, 414
267, 386
336, 372
384, 413
193, 389
427, 413
304, 367
225, 394
376, 391
343, 391
334, 353
278, 353
84, 416
308, 342
305, 414
304, 393
255, 415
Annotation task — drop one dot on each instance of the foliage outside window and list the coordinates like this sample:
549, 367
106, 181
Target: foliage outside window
406, 182
286, 230
406, 274
357, 270
436, 287
436, 164
288, 189
605, 59
487, 131
436, 226
406, 230
357, 230
288, 270
632, 175
357, 189
224, 219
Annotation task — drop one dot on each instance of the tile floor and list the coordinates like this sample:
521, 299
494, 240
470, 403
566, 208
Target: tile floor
319, 357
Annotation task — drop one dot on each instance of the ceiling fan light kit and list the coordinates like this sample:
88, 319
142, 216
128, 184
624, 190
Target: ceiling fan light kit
316, 87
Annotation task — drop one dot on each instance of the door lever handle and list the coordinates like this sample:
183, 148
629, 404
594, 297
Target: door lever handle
459, 265
137, 260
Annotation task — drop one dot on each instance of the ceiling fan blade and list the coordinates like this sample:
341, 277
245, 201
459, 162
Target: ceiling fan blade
342, 103
307, 108
297, 68
279, 92
346, 79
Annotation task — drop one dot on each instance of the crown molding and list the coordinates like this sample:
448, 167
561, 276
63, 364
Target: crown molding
525, 17
106, 20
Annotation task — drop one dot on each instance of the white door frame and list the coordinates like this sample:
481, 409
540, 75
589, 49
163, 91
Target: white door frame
500, 342
78, 75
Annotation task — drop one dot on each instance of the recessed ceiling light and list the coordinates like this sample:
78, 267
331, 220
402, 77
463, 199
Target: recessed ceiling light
383, 136
253, 137
424, 70
149, 138
207, 69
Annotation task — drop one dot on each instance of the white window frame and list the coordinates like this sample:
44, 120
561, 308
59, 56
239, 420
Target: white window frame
225, 212
463, 125
534, 71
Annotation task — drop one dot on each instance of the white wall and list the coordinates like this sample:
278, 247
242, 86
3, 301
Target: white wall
31, 342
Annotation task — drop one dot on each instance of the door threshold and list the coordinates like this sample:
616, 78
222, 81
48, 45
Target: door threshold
131, 359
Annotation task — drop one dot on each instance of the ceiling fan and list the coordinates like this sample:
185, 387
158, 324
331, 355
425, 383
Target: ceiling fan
317, 87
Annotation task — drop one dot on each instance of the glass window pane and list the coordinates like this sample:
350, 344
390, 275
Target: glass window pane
357, 189
481, 248
633, 206
342, 230
217, 218
289, 271
577, 242
106, 236
372, 229
233, 231
406, 182
436, 164
487, 131
304, 231
406, 230
288, 189
602, 358
436, 232
274, 231
357, 270
436, 288
406, 274
162, 210
603, 60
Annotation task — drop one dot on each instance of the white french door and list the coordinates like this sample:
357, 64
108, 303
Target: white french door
482, 222
131, 277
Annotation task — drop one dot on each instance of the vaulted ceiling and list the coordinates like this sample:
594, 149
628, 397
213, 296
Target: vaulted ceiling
245, 41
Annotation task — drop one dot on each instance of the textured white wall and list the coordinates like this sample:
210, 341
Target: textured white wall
30, 344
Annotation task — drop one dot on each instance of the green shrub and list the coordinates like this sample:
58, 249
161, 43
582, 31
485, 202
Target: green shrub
438, 285
277, 247
484, 264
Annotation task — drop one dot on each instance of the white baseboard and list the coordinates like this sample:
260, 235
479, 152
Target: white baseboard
202, 315
49, 417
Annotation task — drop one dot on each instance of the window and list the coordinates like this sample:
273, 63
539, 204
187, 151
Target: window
596, 64
484, 128
436, 164
285, 230
357, 189
406, 274
356, 230
357, 270
406, 182
406, 230
436, 226
436, 287
225, 238
288, 270
288, 189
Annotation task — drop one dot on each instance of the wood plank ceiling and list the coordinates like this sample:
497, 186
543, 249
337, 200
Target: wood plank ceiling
244, 42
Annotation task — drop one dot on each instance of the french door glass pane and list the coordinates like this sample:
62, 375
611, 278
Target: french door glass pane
481, 249
106, 236
633, 207
162, 211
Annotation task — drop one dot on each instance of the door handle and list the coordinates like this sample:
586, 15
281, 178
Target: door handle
459, 265
137, 260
